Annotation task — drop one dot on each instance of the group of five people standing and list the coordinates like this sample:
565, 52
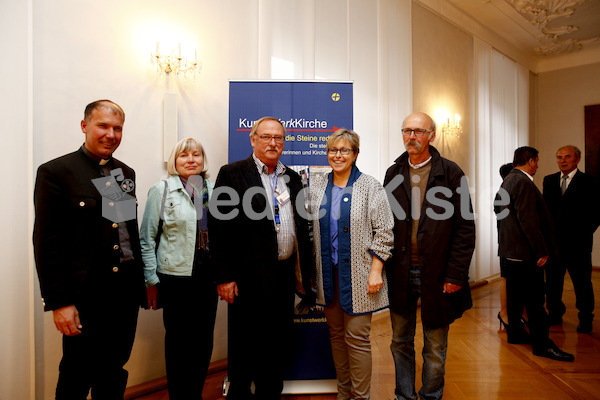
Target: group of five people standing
373, 251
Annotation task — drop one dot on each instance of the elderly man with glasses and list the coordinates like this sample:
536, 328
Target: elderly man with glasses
257, 235
434, 239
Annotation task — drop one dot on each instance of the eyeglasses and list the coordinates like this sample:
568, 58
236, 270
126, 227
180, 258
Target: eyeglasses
417, 131
344, 151
267, 139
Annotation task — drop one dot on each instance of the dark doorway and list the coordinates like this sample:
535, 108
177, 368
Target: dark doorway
592, 140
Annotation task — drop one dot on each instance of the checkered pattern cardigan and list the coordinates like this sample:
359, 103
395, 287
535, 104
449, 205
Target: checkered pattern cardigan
365, 231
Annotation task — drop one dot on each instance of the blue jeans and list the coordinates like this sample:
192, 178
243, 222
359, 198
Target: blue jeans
403, 349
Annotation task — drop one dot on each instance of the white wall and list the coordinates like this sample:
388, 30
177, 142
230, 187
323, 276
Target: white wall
87, 50
443, 82
16, 269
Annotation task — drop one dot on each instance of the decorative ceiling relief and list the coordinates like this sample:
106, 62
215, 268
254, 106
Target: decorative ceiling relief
547, 17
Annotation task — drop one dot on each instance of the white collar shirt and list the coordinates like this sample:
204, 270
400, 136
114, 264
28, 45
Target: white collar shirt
570, 176
275, 186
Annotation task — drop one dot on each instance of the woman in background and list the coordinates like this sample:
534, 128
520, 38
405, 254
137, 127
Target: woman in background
352, 240
503, 313
175, 249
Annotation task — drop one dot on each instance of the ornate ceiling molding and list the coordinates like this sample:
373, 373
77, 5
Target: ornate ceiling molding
539, 13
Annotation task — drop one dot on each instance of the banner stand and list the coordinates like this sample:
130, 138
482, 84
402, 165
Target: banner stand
310, 111
298, 387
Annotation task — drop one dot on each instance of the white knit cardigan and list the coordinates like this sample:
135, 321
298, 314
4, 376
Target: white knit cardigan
371, 225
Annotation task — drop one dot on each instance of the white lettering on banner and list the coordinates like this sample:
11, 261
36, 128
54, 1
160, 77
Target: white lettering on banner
294, 123
245, 123
301, 123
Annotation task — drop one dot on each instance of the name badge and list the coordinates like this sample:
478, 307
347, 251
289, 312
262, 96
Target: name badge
282, 198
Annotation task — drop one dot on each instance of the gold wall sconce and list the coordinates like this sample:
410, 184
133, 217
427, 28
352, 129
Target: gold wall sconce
175, 62
452, 126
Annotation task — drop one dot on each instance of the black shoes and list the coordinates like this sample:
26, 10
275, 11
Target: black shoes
502, 323
515, 334
584, 327
555, 353
505, 325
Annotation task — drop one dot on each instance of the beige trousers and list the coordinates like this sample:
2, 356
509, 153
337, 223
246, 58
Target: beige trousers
351, 348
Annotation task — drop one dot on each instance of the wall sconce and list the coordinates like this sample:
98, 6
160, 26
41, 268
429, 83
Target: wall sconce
452, 126
176, 63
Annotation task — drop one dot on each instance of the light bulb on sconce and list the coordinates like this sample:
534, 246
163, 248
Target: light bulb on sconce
175, 63
452, 126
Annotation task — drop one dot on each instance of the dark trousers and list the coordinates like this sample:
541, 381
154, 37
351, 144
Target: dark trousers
525, 289
95, 358
189, 311
579, 266
435, 349
259, 332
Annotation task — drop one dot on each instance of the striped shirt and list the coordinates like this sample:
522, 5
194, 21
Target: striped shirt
275, 185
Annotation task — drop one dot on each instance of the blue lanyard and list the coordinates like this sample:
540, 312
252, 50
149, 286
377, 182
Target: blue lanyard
275, 203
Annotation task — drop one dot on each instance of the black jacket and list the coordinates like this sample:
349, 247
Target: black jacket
525, 229
576, 214
74, 244
445, 245
243, 249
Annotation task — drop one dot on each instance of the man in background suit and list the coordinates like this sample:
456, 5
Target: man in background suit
525, 243
572, 197
257, 234
89, 267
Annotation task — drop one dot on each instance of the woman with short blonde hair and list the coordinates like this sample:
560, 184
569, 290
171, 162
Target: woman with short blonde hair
175, 250
352, 240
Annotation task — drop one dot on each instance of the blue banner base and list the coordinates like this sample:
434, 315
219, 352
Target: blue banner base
312, 357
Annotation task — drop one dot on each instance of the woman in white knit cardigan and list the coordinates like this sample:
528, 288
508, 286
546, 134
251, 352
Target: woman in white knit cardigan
352, 239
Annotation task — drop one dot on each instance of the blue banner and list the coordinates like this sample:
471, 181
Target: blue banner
310, 111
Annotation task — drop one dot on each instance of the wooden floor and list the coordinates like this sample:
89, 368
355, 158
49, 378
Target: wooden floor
480, 363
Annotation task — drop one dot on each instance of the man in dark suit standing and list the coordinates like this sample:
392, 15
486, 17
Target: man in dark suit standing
525, 243
257, 234
88, 257
572, 197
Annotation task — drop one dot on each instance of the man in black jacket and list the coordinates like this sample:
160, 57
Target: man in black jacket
572, 197
525, 242
257, 235
434, 239
88, 257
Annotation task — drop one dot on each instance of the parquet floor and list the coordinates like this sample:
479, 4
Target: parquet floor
480, 363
